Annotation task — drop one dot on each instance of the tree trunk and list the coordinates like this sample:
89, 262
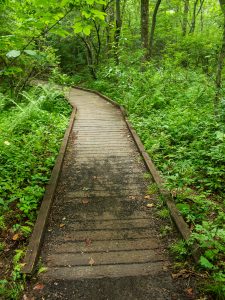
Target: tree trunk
144, 23
99, 44
89, 56
117, 31
110, 10
195, 14
151, 39
185, 17
220, 64
193, 22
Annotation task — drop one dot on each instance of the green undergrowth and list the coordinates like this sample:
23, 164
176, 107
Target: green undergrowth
31, 130
171, 108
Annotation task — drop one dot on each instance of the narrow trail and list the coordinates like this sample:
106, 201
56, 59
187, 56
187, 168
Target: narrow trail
102, 241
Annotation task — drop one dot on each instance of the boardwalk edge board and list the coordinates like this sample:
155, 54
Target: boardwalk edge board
36, 239
181, 225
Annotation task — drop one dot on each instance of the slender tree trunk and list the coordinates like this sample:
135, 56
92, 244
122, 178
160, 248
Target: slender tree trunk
220, 64
202, 21
89, 56
110, 18
99, 44
151, 39
144, 23
117, 31
185, 17
193, 22
195, 15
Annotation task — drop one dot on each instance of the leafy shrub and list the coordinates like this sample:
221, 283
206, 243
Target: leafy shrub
29, 142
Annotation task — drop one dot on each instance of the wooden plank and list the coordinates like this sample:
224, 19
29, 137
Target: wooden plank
107, 215
146, 269
103, 258
123, 193
37, 236
102, 235
105, 246
112, 224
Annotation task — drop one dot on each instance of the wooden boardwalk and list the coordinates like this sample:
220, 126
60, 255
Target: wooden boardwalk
102, 241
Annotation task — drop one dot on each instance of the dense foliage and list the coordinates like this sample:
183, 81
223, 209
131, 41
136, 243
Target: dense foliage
31, 131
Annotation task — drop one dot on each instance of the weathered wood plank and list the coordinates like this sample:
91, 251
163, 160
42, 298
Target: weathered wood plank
103, 258
105, 246
149, 269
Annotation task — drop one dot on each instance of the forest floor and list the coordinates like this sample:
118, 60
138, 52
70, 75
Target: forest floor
105, 239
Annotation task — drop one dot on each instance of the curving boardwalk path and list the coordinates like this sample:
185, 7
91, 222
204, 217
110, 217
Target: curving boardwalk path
102, 240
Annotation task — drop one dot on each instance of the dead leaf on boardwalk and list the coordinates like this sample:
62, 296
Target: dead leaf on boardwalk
38, 286
182, 273
189, 293
150, 205
22, 265
16, 237
85, 201
25, 297
88, 242
91, 261
61, 225
86, 189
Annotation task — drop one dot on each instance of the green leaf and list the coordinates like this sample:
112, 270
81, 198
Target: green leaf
99, 14
13, 54
220, 135
78, 27
206, 263
42, 270
183, 207
86, 14
87, 30
30, 52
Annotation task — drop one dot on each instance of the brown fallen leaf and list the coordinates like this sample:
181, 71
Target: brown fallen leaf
91, 261
85, 201
189, 293
88, 242
16, 237
150, 205
61, 225
184, 273
38, 286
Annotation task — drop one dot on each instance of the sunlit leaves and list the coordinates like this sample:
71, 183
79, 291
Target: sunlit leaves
30, 52
13, 54
87, 30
